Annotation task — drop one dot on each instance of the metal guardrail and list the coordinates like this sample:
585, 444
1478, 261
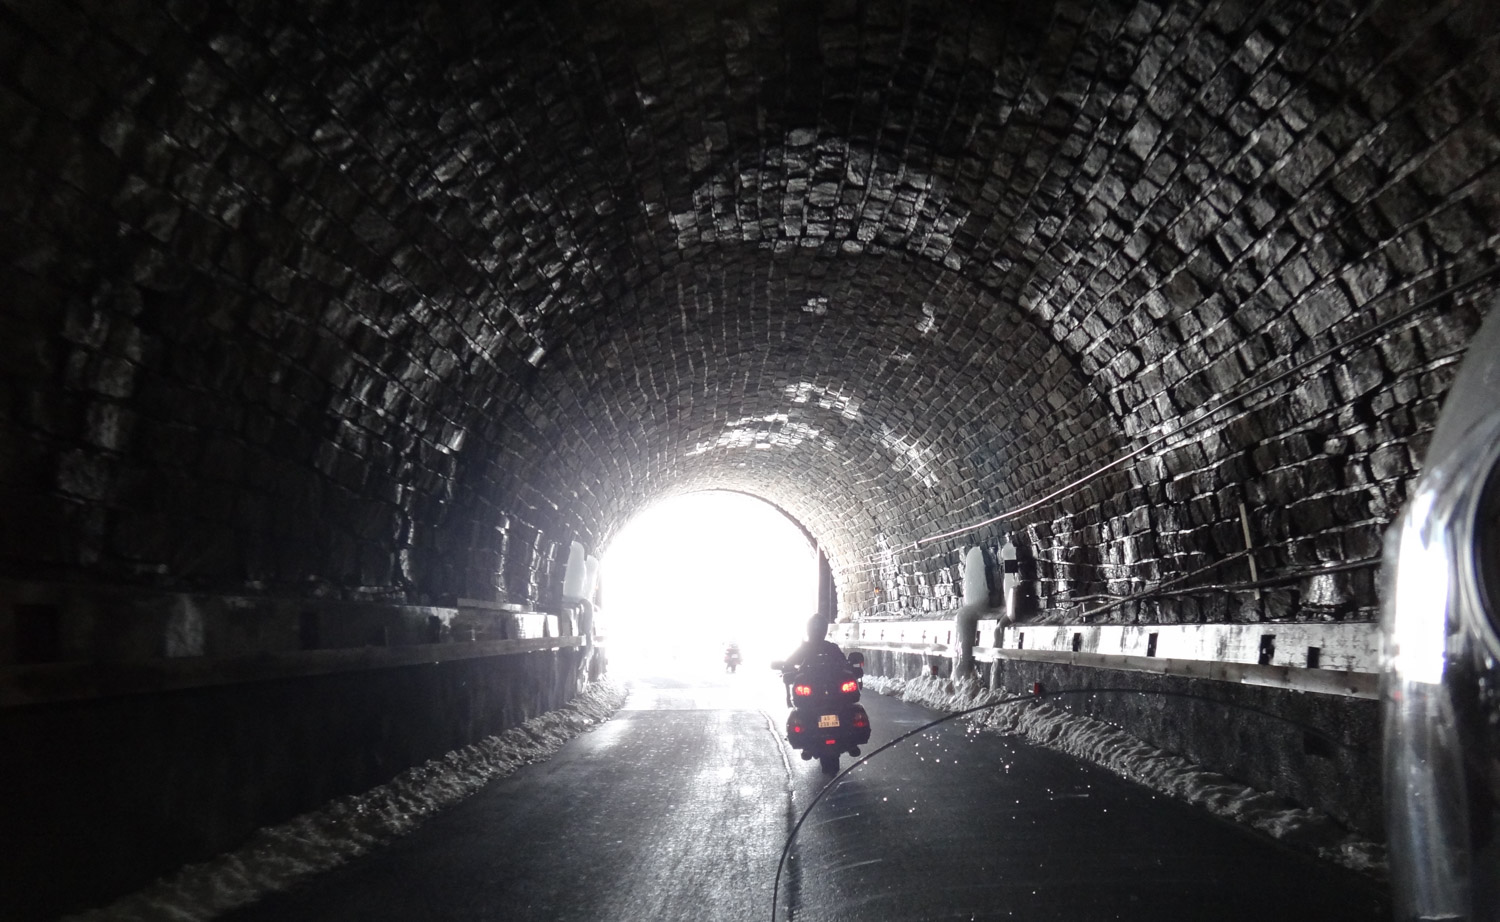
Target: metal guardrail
48, 683
1349, 645
1325, 681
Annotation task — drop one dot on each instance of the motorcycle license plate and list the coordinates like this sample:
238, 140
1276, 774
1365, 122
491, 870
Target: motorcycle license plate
827, 720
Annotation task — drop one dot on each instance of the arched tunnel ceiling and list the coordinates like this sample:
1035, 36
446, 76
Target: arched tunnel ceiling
842, 393
419, 283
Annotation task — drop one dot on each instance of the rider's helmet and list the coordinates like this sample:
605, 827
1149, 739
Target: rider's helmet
1441, 691
817, 628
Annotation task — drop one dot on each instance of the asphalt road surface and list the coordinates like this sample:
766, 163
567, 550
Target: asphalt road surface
678, 809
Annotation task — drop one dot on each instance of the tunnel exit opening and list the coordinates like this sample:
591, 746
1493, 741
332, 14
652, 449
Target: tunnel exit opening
693, 573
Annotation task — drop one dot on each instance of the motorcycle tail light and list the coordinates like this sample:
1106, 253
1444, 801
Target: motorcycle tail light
796, 728
861, 719
832, 742
849, 686
802, 691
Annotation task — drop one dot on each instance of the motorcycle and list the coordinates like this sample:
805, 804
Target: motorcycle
731, 658
826, 719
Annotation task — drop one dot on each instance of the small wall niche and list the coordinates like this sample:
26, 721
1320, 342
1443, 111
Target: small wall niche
1316, 744
309, 631
38, 634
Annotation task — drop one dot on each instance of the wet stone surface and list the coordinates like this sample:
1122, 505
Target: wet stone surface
679, 806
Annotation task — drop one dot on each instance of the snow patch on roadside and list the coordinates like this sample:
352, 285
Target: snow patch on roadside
278, 856
1107, 745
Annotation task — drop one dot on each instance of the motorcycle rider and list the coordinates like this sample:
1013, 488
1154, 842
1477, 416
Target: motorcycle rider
816, 645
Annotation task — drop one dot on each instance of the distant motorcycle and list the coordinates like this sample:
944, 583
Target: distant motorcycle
731, 658
826, 719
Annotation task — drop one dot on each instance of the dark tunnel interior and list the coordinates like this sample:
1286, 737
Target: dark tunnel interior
325, 320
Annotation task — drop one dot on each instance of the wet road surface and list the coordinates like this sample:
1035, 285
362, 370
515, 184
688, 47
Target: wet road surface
678, 808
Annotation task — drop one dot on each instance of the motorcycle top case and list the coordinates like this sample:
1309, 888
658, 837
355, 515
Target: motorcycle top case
824, 685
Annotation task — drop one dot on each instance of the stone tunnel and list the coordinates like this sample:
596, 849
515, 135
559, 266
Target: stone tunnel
329, 330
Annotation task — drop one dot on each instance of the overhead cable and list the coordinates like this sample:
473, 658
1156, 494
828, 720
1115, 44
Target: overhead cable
1188, 425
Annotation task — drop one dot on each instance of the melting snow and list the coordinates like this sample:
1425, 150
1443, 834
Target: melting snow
278, 856
1107, 745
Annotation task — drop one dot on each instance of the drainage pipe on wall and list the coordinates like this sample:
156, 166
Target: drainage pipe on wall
1010, 583
579, 581
976, 602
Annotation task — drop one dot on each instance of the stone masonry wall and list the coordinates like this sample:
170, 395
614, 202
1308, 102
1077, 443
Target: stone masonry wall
1318, 750
104, 795
395, 302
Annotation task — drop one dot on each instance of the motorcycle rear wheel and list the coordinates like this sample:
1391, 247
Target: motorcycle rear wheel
830, 764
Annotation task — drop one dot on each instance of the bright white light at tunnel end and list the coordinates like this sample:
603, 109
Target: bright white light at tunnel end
694, 572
